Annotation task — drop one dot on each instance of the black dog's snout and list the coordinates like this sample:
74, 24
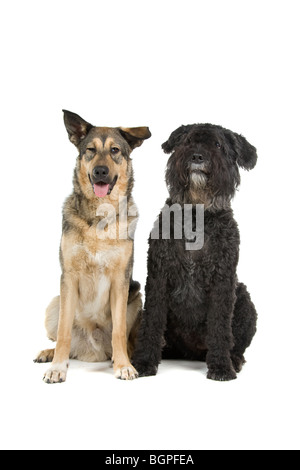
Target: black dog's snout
197, 158
100, 172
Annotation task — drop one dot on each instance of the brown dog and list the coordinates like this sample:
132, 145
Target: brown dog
96, 315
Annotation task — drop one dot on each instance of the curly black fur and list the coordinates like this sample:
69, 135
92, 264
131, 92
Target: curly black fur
195, 307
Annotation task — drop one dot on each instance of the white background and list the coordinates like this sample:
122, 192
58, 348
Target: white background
162, 64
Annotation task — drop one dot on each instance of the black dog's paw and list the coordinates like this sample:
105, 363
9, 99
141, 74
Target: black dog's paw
146, 370
221, 374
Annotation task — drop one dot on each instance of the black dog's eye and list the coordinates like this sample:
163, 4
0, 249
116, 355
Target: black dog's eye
218, 145
115, 150
91, 150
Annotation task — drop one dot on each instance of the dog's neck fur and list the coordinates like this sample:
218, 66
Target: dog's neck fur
194, 196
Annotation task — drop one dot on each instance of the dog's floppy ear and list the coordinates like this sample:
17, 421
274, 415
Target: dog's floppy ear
176, 138
244, 153
135, 136
77, 127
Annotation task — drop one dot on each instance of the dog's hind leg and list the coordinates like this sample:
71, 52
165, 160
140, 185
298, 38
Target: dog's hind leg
81, 347
52, 317
51, 324
243, 326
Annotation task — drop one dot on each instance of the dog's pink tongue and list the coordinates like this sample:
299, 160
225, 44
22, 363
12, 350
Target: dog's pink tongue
101, 189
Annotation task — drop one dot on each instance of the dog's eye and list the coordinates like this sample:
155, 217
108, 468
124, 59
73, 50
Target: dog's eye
218, 145
115, 150
92, 150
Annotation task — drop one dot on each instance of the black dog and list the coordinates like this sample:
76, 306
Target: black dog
195, 307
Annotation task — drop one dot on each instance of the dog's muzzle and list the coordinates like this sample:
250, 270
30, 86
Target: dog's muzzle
101, 181
199, 168
198, 164
199, 173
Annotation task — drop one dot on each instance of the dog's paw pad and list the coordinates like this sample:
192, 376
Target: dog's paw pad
126, 373
221, 375
56, 374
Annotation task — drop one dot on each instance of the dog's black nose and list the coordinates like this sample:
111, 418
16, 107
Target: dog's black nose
197, 158
100, 172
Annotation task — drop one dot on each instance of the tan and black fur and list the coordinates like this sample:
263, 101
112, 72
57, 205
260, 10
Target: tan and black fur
97, 313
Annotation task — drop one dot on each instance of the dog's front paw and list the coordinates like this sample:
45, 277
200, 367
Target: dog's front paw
146, 370
221, 374
126, 373
57, 373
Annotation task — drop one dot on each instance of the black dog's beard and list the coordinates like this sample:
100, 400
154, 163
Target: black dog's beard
198, 180
199, 192
199, 175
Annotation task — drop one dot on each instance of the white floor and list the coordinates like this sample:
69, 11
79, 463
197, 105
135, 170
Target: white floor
177, 410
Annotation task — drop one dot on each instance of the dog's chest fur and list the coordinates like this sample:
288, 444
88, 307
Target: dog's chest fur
94, 290
94, 262
188, 287
193, 271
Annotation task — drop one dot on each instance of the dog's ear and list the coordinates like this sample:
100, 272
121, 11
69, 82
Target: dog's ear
244, 153
77, 127
135, 136
176, 138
